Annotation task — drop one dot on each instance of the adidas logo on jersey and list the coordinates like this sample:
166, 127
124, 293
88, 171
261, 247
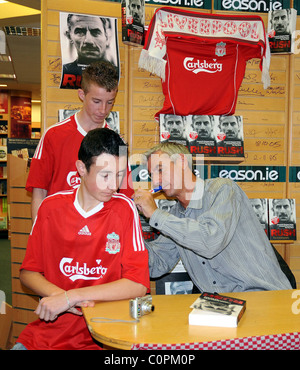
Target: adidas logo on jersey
84, 231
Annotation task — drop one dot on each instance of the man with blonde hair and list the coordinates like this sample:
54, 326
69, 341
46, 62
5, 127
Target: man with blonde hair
212, 229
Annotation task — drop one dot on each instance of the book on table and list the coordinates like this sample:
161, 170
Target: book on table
212, 309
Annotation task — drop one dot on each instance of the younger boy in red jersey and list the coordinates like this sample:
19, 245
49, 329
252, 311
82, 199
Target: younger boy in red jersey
86, 245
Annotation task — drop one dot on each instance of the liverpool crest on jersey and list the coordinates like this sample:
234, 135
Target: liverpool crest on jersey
221, 49
113, 243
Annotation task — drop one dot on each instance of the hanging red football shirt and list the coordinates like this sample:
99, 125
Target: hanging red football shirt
203, 76
74, 249
201, 58
53, 165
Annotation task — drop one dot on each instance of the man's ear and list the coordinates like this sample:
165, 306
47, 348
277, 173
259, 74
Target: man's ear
67, 33
81, 94
80, 168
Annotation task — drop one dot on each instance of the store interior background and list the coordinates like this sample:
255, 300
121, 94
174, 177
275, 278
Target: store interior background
25, 54
137, 105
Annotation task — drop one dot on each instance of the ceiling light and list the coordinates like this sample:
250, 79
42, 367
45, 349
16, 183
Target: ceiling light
9, 9
7, 75
5, 58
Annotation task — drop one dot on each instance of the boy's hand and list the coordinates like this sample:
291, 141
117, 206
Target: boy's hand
50, 307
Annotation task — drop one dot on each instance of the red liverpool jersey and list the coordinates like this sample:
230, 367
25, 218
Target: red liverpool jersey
201, 58
74, 249
203, 76
53, 165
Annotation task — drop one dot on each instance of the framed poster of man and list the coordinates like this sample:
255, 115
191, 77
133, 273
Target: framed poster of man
85, 39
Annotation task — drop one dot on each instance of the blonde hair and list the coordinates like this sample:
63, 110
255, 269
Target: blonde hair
173, 150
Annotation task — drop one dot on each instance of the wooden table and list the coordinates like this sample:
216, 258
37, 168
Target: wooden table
267, 313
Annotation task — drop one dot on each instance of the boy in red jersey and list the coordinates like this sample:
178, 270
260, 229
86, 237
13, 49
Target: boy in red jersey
53, 165
86, 245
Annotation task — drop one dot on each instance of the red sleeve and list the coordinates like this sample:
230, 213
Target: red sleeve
135, 256
251, 52
41, 167
33, 260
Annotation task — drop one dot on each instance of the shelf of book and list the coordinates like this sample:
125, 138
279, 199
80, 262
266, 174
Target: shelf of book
282, 241
214, 160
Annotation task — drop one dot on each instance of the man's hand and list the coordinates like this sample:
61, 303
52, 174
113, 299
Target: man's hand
145, 202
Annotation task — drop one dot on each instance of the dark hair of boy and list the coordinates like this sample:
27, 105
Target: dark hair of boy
99, 141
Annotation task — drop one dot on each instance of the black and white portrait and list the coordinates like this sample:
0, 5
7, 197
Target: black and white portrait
281, 28
113, 121
201, 135
136, 12
279, 22
282, 219
85, 39
230, 136
173, 128
260, 208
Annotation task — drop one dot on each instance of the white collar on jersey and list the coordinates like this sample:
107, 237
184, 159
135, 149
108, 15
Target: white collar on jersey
79, 128
82, 212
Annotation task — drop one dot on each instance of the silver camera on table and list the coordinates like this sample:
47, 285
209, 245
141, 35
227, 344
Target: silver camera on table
140, 306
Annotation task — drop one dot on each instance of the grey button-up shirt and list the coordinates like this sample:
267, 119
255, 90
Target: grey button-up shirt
219, 240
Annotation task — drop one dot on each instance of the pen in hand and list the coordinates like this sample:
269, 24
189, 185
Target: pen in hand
147, 205
155, 190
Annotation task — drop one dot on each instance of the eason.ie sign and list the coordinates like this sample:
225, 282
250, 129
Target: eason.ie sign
250, 173
294, 174
260, 6
196, 4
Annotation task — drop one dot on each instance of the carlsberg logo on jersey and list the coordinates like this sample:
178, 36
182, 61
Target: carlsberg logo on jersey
75, 271
195, 65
